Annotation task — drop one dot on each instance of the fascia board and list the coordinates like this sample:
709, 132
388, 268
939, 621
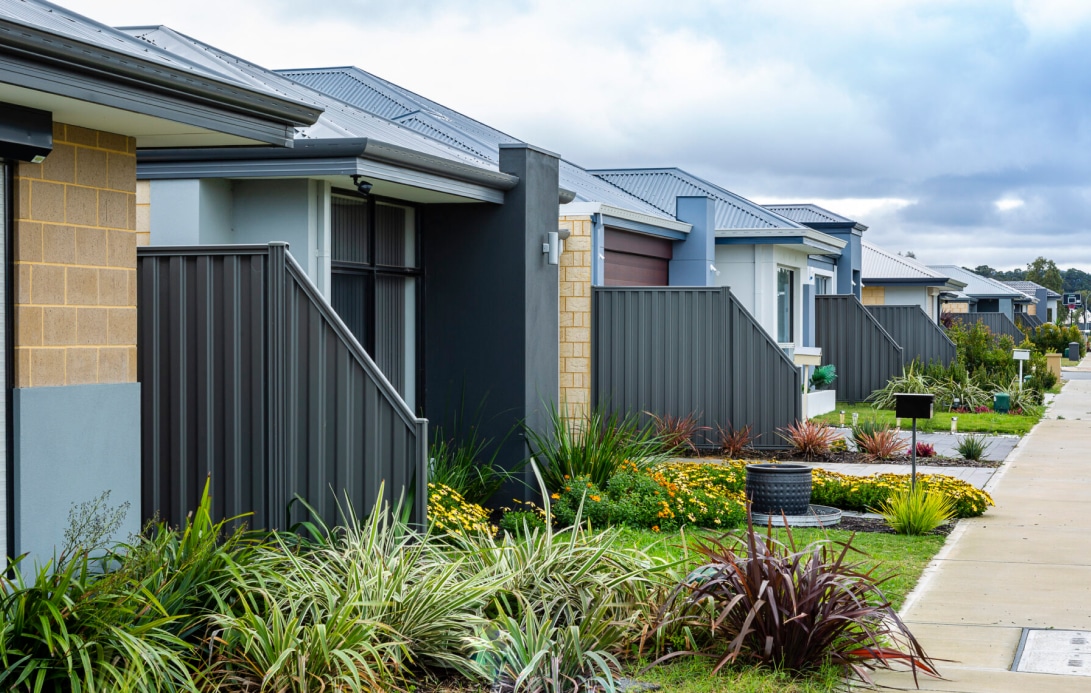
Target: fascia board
68, 55
133, 98
628, 219
641, 218
303, 168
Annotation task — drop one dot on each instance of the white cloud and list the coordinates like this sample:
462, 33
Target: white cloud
1006, 204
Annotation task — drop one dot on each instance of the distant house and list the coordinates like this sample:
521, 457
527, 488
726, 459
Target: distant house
78, 102
890, 279
982, 294
1044, 306
763, 256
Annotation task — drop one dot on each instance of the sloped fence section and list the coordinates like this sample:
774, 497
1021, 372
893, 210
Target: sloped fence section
998, 323
681, 351
853, 340
918, 335
1027, 321
249, 378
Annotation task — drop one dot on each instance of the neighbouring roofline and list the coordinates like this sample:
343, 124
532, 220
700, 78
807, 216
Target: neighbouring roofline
589, 208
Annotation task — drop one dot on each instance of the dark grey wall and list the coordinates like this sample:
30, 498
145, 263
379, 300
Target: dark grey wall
250, 378
70, 444
865, 354
683, 351
919, 337
491, 310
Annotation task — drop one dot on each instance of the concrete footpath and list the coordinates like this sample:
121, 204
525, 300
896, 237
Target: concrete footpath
1026, 564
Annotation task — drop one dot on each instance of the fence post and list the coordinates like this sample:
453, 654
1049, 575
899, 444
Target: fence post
276, 390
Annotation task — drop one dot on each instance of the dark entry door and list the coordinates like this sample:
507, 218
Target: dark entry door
375, 274
633, 259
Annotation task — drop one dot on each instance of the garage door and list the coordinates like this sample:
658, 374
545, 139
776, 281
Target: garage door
633, 259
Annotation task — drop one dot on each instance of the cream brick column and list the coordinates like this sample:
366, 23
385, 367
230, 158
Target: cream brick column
75, 262
575, 316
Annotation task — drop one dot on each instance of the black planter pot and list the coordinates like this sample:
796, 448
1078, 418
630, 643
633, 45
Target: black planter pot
778, 488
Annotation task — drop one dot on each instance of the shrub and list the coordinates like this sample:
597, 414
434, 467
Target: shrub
809, 438
865, 428
916, 511
912, 380
450, 513
522, 522
926, 450
676, 433
733, 441
461, 461
965, 391
882, 445
823, 376
593, 446
790, 609
972, 446
849, 492
839, 445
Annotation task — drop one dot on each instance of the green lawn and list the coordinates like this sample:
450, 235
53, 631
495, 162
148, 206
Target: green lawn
941, 422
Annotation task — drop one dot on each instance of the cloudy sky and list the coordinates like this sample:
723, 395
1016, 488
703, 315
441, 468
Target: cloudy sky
955, 129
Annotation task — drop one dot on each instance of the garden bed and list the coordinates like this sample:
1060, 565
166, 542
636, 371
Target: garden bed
852, 457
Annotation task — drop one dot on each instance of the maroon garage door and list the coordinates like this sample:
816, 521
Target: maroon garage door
633, 259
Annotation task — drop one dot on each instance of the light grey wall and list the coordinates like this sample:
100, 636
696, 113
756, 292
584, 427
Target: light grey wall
71, 444
175, 212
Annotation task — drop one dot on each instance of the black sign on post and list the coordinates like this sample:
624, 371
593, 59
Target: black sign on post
913, 406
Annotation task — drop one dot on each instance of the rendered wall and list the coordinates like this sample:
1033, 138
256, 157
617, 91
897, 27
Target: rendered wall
908, 296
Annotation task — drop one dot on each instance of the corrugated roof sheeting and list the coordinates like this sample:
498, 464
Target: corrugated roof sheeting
376, 95
660, 187
998, 323
978, 286
1031, 288
877, 263
809, 214
249, 378
918, 335
865, 354
683, 351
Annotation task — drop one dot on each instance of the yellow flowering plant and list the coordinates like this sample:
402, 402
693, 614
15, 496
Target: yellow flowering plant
450, 513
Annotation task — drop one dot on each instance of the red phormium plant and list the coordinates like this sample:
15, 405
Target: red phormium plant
809, 438
791, 609
881, 445
676, 432
926, 450
734, 440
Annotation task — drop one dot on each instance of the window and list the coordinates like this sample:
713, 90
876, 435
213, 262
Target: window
375, 275
821, 285
785, 305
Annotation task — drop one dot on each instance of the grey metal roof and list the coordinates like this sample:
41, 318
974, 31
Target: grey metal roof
660, 187
1030, 288
375, 95
809, 214
877, 264
338, 120
978, 286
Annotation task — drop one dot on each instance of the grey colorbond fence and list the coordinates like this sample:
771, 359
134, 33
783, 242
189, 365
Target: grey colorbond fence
683, 351
852, 339
250, 378
918, 335
998, 323
1028, 321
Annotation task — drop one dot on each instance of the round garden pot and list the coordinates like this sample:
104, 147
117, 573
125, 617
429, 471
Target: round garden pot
778, 488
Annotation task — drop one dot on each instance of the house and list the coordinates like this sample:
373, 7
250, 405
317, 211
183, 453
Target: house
1044, 306
982, 294
763, 256
430, 253
890, 279
833, 274
78, 100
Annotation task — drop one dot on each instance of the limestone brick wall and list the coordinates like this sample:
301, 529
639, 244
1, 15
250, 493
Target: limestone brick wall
873, 295
955, 308
575, 315
143, 212
75, 262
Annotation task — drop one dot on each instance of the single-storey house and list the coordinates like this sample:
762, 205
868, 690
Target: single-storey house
1044, 306
981, 294
890, 279
78, 101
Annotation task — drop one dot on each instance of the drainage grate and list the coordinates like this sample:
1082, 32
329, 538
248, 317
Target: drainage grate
1047, 651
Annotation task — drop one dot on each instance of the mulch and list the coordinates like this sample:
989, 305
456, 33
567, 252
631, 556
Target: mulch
852, 523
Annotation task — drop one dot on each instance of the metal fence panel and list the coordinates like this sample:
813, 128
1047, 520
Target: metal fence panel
998, 323
682, 351
249, 378
1028, 321
918, 335
865, 354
